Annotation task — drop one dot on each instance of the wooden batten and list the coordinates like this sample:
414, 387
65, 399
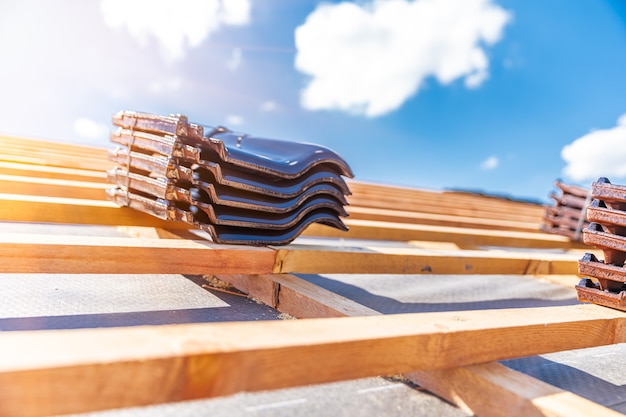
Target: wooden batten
54, 209
51, 172
133, 366
464, 237
64, 254
438, 219
37, 186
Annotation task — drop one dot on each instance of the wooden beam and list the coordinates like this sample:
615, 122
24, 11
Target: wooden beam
297, 297
25, 252
43, 209
31, 253
87, 190
460, 204
448, 198
43, 158
417, 206
439, 219
32, 145
43, 171
392, 260
464, 237
493, 390
46, 151
121, 367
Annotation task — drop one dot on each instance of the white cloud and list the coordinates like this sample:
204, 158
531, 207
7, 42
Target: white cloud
490, 163
234, 120
269, 106
91, 130
475, 80
601, 153
369, 58
235, 60
236, 12
165, 86
177, 26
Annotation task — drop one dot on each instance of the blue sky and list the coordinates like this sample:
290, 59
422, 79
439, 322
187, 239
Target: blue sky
497, 96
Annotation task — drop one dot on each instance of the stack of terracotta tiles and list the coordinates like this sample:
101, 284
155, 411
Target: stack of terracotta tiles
603, 281
567, 216
238, 188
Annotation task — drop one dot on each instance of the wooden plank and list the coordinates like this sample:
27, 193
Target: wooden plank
146, 365
59, 151
376, 260
297, 297
42, 209
92, 254
24, 146
43, 171
42, 158
493, 390
32, 144
382, 202
32, 253
17, 184
461, 204
464, 237
439, 219
486, 390
449, 198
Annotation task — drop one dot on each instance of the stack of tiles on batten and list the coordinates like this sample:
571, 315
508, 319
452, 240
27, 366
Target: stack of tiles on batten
240, 189
567, 216
607, 232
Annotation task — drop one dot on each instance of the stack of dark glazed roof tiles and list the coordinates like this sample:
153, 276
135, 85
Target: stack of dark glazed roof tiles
567, 216
607, 232
238, 188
